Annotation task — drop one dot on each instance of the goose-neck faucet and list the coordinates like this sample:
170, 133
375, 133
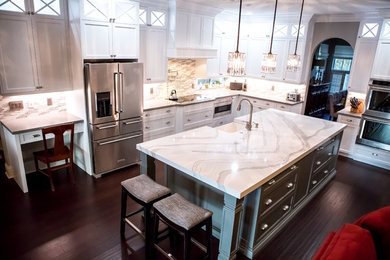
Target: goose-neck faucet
248, 124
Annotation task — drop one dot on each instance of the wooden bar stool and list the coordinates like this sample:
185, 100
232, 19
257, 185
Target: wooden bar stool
184, 217
145, 192
60, 152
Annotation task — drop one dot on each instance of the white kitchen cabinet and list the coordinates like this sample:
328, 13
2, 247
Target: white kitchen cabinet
227, 45
256, 48
153, 53
110, 29
159, 122
194, 31
381, 67
363, 59
213, 64
279, 47
350, 133
372, 156
197, 115
34, 48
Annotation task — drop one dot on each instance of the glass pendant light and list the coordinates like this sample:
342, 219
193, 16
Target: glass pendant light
236, 60
268, 65
294, 60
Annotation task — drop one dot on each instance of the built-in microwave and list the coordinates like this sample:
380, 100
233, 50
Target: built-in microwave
223, 107
378, 99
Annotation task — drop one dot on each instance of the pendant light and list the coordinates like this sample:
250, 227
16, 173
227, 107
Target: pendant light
268, 65
236, 60
294, 60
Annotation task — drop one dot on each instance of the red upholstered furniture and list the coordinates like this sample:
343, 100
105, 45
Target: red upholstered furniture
368, 238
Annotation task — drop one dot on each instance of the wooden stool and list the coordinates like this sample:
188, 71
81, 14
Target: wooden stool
145, 192
184, 217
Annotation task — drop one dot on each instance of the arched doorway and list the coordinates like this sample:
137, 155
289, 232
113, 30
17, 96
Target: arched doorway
329, 76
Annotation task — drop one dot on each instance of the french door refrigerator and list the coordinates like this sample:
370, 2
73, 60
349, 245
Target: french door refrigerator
114, 93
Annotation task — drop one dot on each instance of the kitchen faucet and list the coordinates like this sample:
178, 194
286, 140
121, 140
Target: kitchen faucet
248, 124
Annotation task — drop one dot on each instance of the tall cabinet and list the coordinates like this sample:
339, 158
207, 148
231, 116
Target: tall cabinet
381, 67
110, 29
34, 47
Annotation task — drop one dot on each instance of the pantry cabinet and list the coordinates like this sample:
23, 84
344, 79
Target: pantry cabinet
34, 48
381, 67
110, 29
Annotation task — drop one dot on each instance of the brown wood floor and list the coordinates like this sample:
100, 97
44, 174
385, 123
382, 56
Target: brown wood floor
82, 221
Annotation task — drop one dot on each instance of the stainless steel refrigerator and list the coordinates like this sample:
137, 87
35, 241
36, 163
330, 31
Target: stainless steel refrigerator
114, 93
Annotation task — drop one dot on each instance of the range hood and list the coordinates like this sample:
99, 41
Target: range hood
191, 34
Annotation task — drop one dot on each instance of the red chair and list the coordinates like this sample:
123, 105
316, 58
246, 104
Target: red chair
59, 152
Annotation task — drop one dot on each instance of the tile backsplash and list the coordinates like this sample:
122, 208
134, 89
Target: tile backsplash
33, 105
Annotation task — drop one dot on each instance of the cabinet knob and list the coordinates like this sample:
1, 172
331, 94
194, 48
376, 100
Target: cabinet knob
206, 116
314, 182
147, 127
39, 87
264, 227
326, 171
168, 122
318, 162
285, 207
271, 182
374, 154
293, 167
290, 185
146, 115
36, 135
268, 202
168, 111
188, 120
329, 154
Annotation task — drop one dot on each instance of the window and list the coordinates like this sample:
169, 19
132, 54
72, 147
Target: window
386, 29
281, 30
342, 64
47, 7
370, 30
12, 6
143, 16
157, 18
294, 30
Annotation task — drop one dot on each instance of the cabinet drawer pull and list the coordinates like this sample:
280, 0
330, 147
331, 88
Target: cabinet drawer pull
326, 171
188, 120
168, 122
254, 101
314, 182
105, 127
318, 162
293, 167
282, 106
329, 154
374, 154
221, 123
268, 202
147, 127
267, 104
132, 122
320, 148
285, 207
271, 182
264, 227
290, 185
146, 115
168, 111
36, 135
349, 120
206, 116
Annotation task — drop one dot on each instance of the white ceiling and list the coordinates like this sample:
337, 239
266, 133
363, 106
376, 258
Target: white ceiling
293, 6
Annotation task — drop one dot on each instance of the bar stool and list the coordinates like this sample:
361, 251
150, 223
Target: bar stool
145, 192
184, 217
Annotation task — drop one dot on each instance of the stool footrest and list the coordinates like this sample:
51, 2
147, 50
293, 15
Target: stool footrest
135, 212
135, 228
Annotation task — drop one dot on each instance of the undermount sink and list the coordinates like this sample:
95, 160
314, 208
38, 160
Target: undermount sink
232, 127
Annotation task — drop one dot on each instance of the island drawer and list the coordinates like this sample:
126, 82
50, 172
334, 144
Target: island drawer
268, 221
271, 197
277, 179
321, 174
324, 153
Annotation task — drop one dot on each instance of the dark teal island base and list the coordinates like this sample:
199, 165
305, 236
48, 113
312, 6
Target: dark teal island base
247, 224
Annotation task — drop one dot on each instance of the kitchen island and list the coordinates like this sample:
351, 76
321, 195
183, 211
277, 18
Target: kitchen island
253, 181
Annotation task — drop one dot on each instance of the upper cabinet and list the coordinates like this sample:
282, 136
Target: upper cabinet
153, 48
110, 29
34, 47
381, 67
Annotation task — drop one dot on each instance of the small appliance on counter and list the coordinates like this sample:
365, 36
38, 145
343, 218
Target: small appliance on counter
293, 96
236, 86
173, 95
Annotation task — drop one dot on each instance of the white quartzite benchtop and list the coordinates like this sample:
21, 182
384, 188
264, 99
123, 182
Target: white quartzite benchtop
16, 126
239, 162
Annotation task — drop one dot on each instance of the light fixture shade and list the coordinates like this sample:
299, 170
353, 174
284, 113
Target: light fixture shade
293, 63
268, 65
236, 63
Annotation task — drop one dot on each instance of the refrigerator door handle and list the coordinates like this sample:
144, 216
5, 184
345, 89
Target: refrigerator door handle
120, 139
121, 92
116, 92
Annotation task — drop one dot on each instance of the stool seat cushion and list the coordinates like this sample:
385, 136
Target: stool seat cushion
144, 188
182, 212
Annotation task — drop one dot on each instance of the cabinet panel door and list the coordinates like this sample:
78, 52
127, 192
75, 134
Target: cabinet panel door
381, 68
279, 48
17, 62
52, 55
213, 64
181, 30
363, 59
125, 41
256, 48
96, 10
125, 12
157, 56
207, 32
195, 31
227, 45
97, 40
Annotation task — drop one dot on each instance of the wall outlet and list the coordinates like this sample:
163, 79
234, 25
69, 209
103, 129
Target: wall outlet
16, 105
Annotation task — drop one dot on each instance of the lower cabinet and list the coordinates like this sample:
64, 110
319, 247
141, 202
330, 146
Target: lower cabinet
350, 133
198, 115
159, 123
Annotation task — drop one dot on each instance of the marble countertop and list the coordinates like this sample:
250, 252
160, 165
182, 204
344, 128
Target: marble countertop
236, 161
347, 112
209, 95
31, 123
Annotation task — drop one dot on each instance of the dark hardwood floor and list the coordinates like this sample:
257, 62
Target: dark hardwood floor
82, 221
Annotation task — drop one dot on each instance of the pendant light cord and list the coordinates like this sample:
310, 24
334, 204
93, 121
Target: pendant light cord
273, 28
239, 27
299, 28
